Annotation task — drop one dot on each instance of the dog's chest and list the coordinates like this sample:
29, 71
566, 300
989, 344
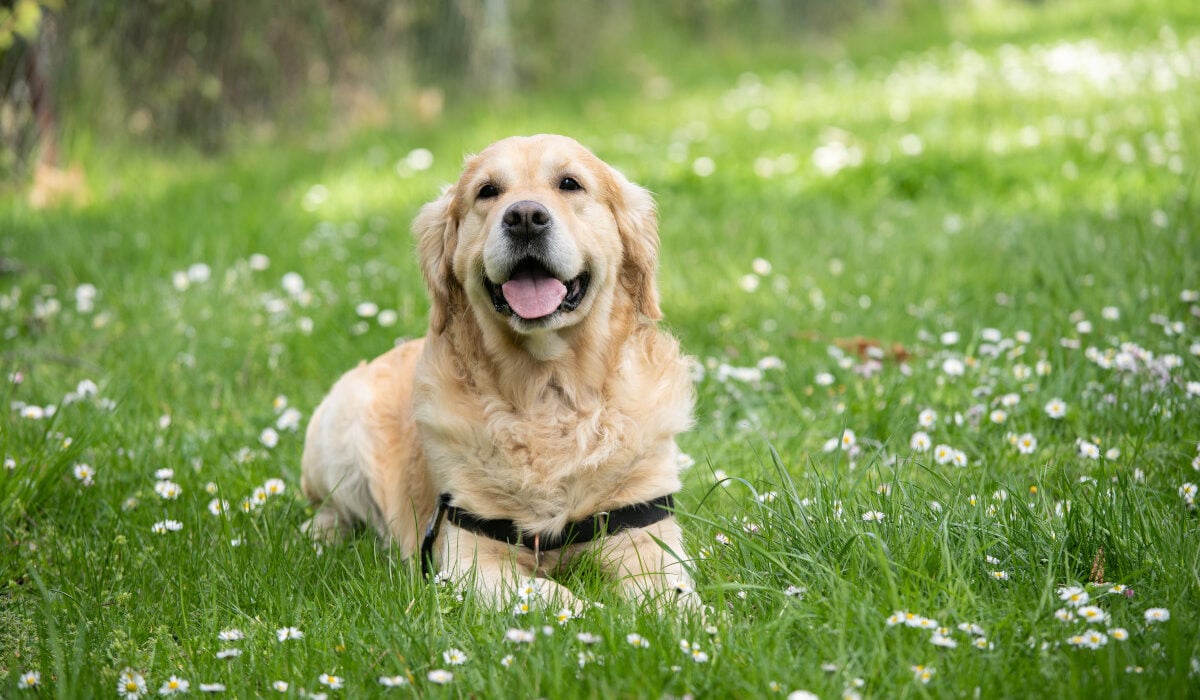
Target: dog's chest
548, 458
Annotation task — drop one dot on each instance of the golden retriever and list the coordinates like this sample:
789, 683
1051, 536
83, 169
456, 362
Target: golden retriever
543, 398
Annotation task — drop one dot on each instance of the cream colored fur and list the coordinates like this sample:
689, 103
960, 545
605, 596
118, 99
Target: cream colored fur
542, 424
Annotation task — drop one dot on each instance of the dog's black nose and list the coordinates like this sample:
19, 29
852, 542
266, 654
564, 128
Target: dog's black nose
526, 219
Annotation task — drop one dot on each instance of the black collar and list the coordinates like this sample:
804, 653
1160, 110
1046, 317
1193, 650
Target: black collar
587, 530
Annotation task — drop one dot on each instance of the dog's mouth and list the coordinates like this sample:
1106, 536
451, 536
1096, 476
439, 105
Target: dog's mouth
533, 292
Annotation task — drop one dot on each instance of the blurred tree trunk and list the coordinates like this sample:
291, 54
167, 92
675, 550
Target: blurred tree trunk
493, 65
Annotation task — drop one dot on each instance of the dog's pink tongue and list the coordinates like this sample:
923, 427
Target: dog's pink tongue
532, 296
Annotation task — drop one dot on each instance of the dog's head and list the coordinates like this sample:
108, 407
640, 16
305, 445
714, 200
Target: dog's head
538, 235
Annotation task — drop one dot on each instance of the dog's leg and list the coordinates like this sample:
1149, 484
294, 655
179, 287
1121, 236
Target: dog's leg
502, 575
648, 571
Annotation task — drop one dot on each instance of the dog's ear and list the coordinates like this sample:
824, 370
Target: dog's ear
436, 231
637, 220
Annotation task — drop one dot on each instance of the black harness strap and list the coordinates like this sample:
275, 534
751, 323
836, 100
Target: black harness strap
431, 533
586, 530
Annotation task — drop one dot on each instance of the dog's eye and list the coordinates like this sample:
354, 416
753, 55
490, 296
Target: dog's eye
569, 184
488, 191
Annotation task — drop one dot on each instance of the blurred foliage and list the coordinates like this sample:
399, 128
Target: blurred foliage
21, 19
22, 83
197, 68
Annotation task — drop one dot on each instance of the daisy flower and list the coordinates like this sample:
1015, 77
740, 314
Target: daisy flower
1000, 575
286, 633
1056, 408
1088, 450
1073, 595
440, 676
217, 506
334, 682
229, 653
848, 439
520, 636
896, 618
165, 474
85, 474
269, 438
529, 589
939, 640
29, 679
1093, 639
564, 616
959, 458
1027, 444
637, 640
923, 674
920, 441
873, 516
231, 635
684, 586
168, 490
174, 685
588, 638
998, 416
454, 657
1118, 633
162, 527
274, 487
212, 687
1092, 613
130, 684
1154, 615
693, 649
971, 629
927, 418
280, 686
943, 454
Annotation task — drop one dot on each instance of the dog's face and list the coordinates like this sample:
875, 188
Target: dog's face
538, 235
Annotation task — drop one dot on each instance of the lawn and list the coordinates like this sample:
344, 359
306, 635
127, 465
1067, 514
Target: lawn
941, 279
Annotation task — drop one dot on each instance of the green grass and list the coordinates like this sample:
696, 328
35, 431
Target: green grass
1035, 201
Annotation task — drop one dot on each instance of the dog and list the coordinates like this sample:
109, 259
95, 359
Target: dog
536, 421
